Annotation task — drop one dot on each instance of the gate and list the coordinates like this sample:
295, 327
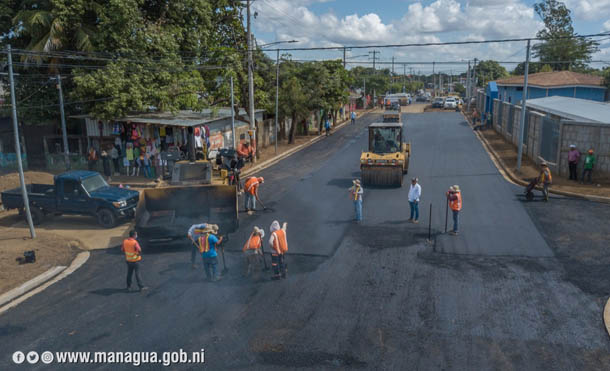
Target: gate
550, 139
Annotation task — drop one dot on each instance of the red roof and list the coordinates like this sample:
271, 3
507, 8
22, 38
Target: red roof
554, 79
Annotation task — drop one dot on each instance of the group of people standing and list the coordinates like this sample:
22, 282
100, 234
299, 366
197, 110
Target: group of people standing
453, 195
574, 159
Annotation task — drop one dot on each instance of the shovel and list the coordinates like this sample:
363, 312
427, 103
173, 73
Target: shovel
264, 260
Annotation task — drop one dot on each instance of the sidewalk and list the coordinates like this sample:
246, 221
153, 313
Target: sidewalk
505, 155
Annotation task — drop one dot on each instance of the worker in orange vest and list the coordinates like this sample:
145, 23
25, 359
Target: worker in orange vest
133, 255
454, 197
279, 247
546, 179
251, 189
252, 249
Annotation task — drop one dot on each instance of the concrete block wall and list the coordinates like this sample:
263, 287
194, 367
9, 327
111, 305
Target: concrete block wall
585, 136
534, 136
497, 105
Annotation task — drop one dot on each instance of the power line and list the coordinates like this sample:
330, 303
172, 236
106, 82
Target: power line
438, 43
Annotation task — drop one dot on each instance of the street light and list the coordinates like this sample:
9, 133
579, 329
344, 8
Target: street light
277, 81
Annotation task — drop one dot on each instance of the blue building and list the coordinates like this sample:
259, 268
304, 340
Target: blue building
549, 84
491, 93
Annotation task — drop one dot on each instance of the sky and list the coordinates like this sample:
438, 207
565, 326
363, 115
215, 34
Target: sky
323, 23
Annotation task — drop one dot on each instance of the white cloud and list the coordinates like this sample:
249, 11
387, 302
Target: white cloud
589, 9
607, 25
440, 20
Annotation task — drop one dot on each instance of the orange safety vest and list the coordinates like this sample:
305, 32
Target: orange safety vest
456, 205
203, 243
546, 177
254, 242
251, 185
279, 241
131, 252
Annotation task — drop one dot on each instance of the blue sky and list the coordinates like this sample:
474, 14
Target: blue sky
370, 22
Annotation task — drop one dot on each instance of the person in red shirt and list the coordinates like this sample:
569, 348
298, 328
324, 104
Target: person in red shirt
245, 151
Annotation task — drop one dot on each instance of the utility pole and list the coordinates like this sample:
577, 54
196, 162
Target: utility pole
523, 107
24, 192
433, 81
375, 52
474, 78
232, 115
404, 78
343, 57
251, 78
64, 132
468, 87
392, 65
277, 90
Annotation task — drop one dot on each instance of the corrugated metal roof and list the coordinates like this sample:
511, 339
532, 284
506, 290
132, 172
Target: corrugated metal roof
573, 108
185, 118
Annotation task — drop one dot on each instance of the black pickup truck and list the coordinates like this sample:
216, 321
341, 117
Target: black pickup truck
75, 193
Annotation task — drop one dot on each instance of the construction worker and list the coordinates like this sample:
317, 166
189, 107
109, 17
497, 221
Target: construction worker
279, 246
251, 190
356, 195
546, 179
454, 197
588, 167
133, 252
245, 151
252, 249
207, 243
193, 234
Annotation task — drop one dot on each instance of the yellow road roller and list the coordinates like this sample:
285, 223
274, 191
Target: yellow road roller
387, 159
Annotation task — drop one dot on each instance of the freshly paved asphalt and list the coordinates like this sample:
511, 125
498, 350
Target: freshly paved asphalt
373, 295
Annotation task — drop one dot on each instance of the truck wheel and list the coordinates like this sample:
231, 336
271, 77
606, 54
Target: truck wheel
37, 215
106, 218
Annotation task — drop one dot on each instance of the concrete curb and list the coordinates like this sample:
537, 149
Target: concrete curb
290, 152
607, 316
30, 285
44, 282
510, 176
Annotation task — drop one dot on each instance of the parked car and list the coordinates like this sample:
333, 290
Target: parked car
76, 193
450, 103
438, 102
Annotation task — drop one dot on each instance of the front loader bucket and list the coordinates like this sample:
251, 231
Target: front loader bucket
381, 175
167, 213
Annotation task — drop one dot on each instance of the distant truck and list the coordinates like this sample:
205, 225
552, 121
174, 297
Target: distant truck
75, 193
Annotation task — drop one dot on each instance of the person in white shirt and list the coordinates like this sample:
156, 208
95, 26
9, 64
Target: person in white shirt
414, 195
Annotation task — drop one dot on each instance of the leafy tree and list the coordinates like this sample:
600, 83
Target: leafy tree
489, 71
560, 41
460, 89
546, 68
520, 69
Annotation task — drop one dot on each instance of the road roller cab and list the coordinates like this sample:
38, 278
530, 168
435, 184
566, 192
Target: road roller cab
387, 158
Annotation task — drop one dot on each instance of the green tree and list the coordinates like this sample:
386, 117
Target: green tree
561, 43
460, 89
489, 71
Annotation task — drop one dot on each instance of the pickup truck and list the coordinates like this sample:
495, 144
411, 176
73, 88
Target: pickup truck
75, 193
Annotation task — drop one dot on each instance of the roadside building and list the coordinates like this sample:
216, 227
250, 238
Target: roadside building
549, 84
552, 124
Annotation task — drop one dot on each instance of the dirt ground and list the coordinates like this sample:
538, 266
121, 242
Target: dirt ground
508, 153
51, 251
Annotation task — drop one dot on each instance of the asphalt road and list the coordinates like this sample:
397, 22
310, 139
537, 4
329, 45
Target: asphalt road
374, 295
